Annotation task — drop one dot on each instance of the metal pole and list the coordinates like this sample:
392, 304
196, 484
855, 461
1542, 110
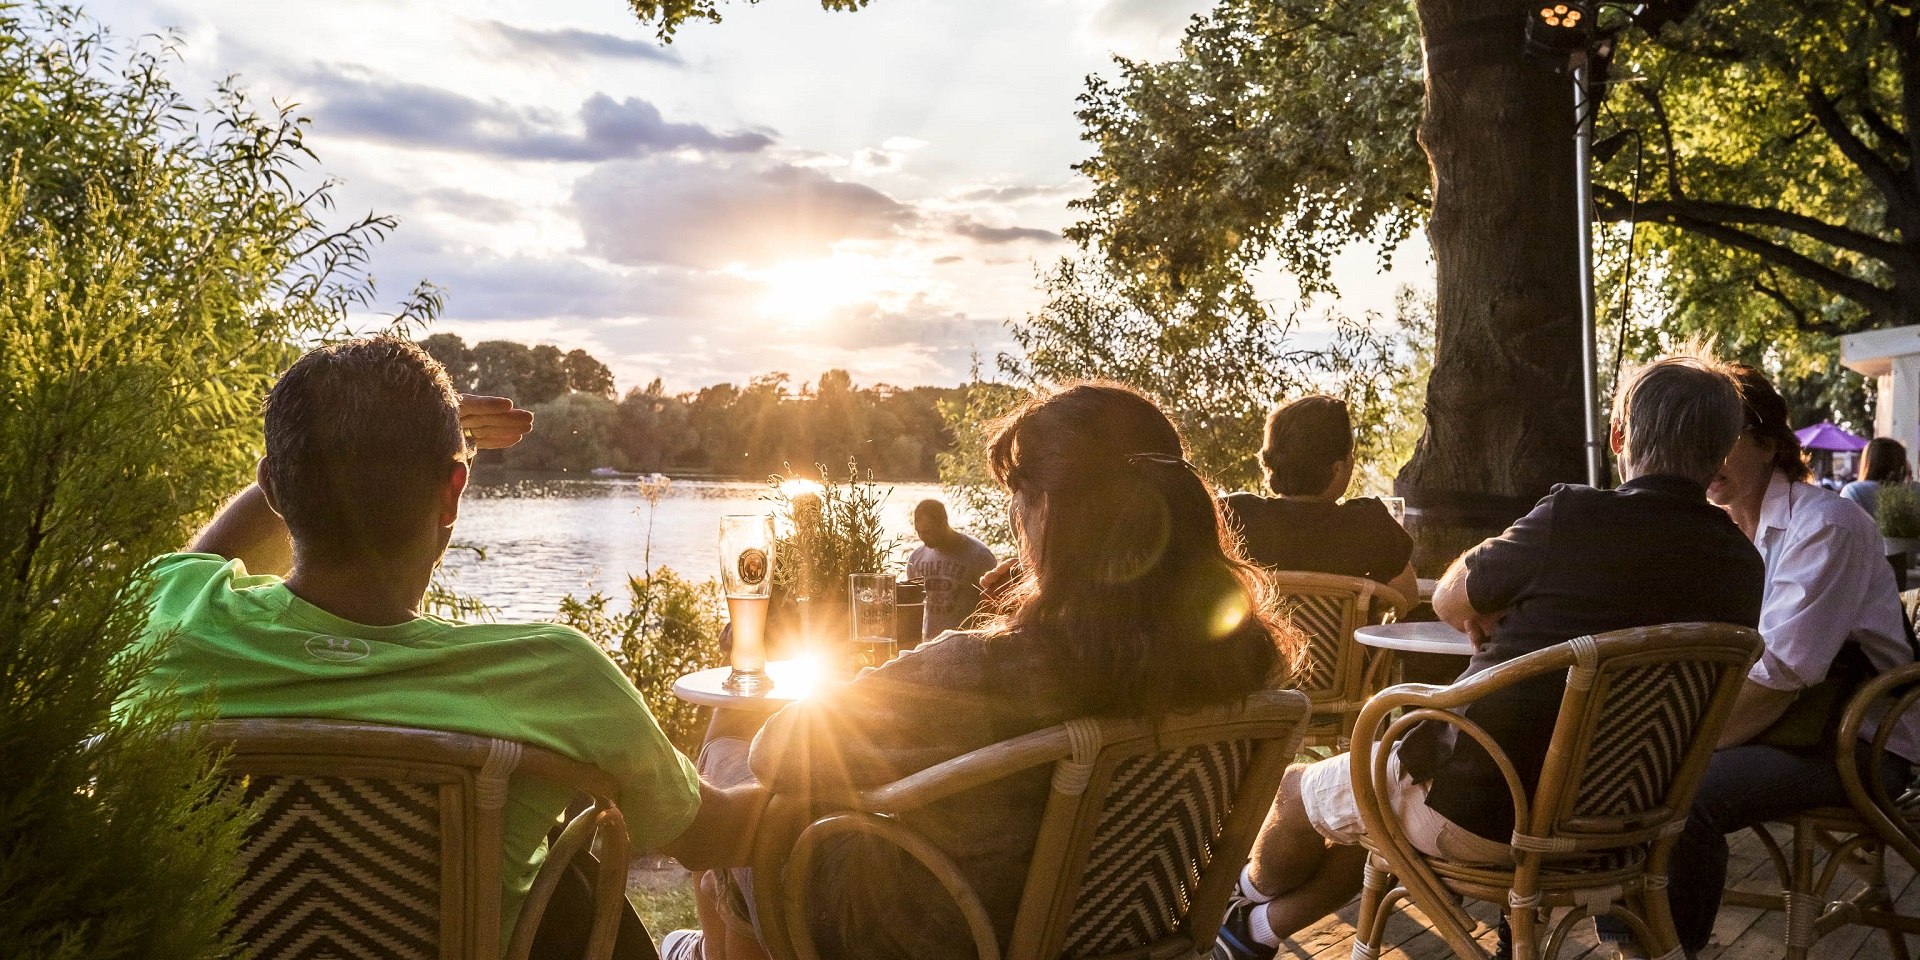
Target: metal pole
1583, 199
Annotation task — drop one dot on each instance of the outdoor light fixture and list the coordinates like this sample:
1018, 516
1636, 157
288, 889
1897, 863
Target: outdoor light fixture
1556, 30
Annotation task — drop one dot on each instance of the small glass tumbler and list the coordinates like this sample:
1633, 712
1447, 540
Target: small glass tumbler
1396, 508
873, 618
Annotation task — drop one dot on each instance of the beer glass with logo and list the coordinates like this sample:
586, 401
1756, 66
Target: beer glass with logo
746, 571
873, 618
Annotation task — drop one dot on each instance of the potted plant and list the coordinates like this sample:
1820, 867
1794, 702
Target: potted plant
1899, 516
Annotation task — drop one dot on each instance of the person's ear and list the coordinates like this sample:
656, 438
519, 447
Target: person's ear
450, 494
263, 479
1616, 438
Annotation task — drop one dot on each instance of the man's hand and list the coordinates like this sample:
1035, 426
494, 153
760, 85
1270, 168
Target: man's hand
493, 423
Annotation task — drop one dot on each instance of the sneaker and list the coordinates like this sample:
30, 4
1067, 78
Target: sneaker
1235, 939
681, 945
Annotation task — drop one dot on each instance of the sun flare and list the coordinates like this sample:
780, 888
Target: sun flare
808, 291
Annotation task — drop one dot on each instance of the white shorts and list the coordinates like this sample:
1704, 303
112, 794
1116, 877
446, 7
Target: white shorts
1326, 790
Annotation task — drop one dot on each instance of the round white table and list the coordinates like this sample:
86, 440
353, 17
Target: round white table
792, 680
1424, 637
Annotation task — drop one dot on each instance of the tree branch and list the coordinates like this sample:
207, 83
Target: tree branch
1798, 313
1617, 206
1659, 108
1872, 164
1874, 299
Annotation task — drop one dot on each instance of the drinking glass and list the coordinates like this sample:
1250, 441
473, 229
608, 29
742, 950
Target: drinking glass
873, 618
746, 571
1397, 507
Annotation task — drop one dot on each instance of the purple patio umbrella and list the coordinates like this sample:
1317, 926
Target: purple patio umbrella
1825, 436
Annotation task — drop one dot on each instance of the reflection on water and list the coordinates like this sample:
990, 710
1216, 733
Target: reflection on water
546, 539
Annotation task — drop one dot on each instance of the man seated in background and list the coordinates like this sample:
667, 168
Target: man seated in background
951, 563
333, 547
1307, 461
1584, 561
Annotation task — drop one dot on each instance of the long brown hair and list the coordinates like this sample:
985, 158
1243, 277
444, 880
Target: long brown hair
1130, 571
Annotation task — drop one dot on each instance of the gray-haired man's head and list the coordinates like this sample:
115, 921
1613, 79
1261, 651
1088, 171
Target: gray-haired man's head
1678, 416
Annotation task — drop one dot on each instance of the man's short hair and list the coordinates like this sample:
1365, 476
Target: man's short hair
1680, 416
361, 437
930, 512
1305, 439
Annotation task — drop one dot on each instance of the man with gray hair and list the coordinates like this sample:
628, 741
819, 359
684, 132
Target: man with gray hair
1583, 561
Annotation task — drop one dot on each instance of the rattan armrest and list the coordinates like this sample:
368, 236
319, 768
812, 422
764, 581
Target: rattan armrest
1869, 798
965, 772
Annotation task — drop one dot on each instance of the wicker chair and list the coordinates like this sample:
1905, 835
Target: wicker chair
1636, 726
1855, 838
1338, 678
1144, 832
379, 841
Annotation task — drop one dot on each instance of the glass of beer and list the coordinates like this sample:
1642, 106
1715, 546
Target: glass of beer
873, 618
746, 571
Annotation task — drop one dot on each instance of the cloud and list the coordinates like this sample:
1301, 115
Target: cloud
981, 233
663, 210
1019, 192
919, 321
468, 204
416, 115
570, 43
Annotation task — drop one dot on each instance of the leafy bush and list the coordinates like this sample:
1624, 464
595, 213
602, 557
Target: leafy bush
156, 267
1898, 507
835, 531
671, 628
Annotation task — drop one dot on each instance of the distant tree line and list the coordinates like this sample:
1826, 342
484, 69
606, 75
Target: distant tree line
726, 429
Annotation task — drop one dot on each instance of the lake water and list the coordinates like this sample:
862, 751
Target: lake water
547, 539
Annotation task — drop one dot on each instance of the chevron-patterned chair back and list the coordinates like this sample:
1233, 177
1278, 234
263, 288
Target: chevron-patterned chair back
386, 842
1326, 608
1144, 833
1637, 723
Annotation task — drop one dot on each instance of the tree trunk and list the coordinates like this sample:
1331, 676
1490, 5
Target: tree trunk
1503, 404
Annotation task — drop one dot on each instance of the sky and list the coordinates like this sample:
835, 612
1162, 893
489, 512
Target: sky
790, 190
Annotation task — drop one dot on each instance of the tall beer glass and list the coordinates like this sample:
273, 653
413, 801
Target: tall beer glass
746, 571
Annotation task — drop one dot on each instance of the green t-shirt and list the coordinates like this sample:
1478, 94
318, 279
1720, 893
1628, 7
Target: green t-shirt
259, 651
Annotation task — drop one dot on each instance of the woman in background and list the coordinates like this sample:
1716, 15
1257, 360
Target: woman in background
1883, 462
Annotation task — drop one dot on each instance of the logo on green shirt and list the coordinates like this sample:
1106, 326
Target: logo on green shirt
337, 649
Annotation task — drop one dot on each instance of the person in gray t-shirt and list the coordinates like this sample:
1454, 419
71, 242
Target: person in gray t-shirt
951, 563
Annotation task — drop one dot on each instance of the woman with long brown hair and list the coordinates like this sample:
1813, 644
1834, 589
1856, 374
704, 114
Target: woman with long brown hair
1130, 602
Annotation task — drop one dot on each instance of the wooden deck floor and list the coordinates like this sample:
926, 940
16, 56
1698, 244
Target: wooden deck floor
1739, 934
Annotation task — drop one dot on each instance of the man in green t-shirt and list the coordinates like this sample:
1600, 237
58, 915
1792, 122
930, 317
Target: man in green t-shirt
302, 599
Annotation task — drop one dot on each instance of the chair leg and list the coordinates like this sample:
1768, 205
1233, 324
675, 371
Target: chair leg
1524, 922
1375, 882
1802, 901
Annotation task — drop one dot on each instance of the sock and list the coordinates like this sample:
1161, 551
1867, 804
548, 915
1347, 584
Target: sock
1248, 890
1260, 929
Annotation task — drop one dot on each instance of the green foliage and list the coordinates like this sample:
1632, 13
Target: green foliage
963, 469
671, 628
722, 429
668, 15
157, 263
571, 432
831, 530
1215, 363
1897, 507
1763, 145
1284, 129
